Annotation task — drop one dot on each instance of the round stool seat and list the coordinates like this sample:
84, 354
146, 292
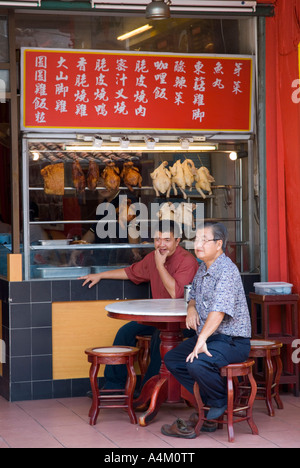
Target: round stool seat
237, 370
265, 344
126, 350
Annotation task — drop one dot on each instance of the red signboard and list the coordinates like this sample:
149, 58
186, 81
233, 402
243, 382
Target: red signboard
100, 90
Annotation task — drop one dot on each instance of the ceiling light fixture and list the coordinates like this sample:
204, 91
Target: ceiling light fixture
233, 155
160, 147
135, 32
158, 9
194, 6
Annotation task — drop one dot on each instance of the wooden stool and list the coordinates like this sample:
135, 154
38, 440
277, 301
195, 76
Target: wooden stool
143, 343
270, 352
232, 372
105, 398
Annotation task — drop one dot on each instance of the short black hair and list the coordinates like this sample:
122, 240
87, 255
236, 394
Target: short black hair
168, 225
219, 232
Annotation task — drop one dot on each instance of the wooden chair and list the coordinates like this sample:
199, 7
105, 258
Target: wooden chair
233, 413
112, 355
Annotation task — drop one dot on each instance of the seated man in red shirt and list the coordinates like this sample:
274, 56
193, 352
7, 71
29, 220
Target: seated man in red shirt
168, 268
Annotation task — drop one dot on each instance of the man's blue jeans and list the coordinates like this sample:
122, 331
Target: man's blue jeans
205, 370
115, 376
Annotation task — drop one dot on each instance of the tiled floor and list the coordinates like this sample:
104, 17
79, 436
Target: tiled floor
63, 423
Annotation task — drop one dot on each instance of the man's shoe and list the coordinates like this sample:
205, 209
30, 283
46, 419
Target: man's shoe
179, 429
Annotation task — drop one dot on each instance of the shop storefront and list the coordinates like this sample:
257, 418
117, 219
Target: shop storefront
187, 93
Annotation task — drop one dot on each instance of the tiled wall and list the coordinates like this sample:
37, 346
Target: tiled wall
27, 332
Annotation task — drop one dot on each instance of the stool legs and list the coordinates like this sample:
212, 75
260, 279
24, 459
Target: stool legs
130, 386
269, 383
232, 415
94, 411
279, 367
250, 421
230, 406
97, 398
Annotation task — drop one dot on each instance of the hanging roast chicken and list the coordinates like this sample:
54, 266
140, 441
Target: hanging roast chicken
162, 180
78, 177
111, 176
54, 179
189, 172
93, 176
203, 181
131, 176
178, 179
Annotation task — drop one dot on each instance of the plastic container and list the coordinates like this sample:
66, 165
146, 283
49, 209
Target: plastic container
273, 288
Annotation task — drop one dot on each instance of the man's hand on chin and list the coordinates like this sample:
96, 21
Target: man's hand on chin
160, 258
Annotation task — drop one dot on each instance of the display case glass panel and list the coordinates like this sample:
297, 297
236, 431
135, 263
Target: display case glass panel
77, 221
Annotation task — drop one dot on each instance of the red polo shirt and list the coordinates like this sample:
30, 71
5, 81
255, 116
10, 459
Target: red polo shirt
182, 266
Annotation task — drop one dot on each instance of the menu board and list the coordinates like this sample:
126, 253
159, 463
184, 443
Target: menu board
136, 91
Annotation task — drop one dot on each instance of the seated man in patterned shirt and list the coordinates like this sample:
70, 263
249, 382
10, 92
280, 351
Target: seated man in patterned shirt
218, 312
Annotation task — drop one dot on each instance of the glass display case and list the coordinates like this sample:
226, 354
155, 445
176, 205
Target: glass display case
88, 205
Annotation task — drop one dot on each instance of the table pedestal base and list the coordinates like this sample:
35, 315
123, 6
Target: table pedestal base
156, 390
162, 388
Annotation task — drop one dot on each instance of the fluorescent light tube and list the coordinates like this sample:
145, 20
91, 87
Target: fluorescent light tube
135, 32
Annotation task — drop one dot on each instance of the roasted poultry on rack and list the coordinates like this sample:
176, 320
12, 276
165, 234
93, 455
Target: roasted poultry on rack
203, 181
178, 178
131, 176
93, 176
111, 177
78, 177
161, 180
189, 172
54, 179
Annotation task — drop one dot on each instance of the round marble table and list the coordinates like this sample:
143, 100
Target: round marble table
169, 316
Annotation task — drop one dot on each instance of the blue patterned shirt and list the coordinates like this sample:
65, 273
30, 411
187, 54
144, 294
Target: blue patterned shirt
220, 289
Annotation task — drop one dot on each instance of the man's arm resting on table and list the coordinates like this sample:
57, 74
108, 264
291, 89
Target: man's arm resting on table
212, 323
93, 279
